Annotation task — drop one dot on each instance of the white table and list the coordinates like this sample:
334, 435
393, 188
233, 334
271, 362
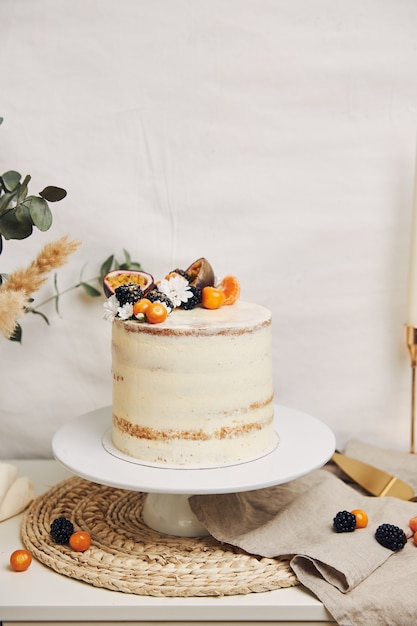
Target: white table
41, 595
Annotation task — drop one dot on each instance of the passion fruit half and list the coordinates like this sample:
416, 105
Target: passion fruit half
116, 278
201, 273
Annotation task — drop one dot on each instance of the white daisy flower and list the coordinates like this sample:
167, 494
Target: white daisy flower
111, 307
125, 312
177, 289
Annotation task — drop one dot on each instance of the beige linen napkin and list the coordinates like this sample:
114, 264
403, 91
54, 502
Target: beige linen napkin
359, 581
15, 492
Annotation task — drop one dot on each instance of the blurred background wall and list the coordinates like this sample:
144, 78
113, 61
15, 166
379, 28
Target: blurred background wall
275, 138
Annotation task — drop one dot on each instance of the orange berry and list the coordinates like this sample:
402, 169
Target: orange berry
413, 524
20, 560
140, 306
156, 313
361, 518
212, 298
80, 541
415, 538
231, 288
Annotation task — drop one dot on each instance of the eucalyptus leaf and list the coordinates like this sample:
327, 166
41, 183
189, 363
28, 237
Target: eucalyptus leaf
23, 215
53, 194
106, 266
131, 266
128, 258
11, 228
5, 200
91, 291
40, 212
23, 189
10, 180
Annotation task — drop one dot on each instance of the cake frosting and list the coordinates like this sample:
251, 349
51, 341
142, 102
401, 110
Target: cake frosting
195, 389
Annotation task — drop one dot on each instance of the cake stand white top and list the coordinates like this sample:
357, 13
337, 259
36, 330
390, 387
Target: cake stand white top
82, 446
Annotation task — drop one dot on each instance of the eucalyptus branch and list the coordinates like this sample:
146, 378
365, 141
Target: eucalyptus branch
67, 290
109, 264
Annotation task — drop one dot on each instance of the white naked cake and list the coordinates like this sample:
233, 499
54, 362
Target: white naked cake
196, 388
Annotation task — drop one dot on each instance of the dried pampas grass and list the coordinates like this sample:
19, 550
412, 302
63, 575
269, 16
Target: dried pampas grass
21, 284
12, 306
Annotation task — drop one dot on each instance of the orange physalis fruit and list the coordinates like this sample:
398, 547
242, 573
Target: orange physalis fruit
156, 313
140, 306
20, 560
231, 288
361, 518
212, 298
413, 524
415, 538
80, 541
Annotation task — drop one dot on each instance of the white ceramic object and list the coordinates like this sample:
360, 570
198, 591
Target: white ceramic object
305, 444
82, 445
170, 513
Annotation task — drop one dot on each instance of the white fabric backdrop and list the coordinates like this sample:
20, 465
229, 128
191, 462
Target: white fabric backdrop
275, 138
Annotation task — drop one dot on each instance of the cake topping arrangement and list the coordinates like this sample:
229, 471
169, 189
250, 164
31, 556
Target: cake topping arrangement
133, 295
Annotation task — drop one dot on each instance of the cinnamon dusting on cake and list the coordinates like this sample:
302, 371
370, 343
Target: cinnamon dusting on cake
200, 331
145, 432
259, 404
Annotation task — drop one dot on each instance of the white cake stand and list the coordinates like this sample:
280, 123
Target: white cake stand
83, 445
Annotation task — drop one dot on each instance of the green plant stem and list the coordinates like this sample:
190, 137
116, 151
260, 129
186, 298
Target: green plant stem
61, 293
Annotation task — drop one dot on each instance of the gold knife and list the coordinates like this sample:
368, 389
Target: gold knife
374, 480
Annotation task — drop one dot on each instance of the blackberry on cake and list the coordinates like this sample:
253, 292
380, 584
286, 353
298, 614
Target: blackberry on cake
157, 296
194, 301
128, 293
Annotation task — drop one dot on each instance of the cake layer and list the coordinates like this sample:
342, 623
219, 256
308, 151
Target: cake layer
196, 389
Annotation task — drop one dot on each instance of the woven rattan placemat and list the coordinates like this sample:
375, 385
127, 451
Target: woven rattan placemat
126, 555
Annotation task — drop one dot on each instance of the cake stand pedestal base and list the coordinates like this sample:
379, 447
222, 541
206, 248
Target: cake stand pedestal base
170, 514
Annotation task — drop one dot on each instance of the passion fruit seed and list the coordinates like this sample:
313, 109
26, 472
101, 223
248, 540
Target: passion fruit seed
117, 278
201, 274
